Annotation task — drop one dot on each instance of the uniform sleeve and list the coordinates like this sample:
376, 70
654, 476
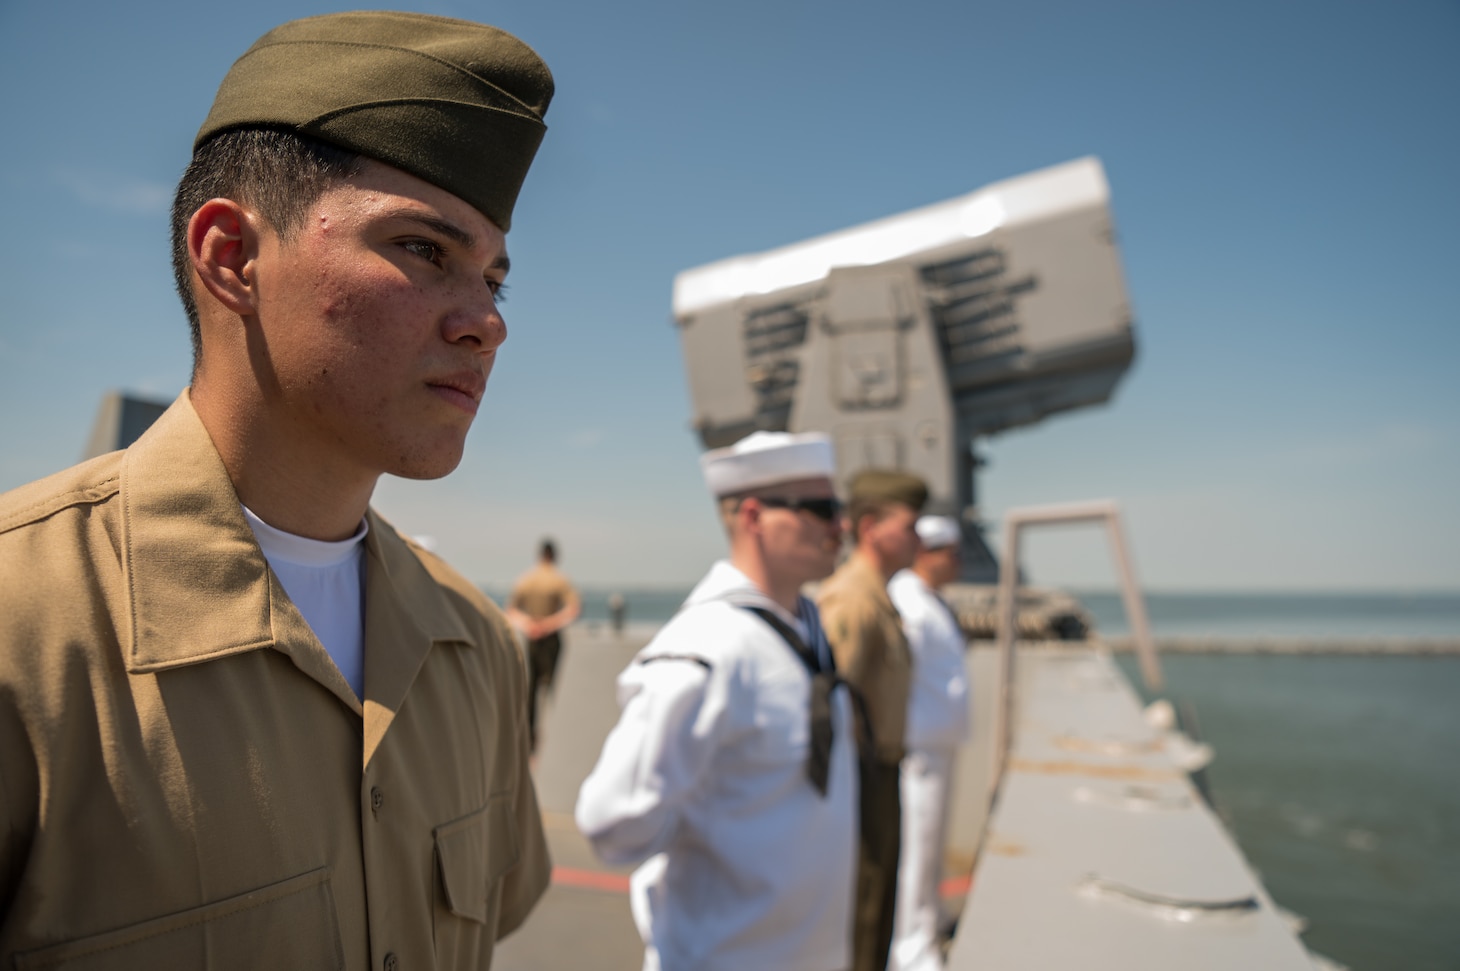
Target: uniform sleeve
20, 793
859, 640
13, 833
675, 711
856, 639
528, 880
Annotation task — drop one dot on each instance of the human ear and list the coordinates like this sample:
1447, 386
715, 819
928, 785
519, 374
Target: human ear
749, 511
223, 247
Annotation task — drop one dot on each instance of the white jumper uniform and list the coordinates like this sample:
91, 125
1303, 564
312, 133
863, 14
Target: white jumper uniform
703, 780
937, 721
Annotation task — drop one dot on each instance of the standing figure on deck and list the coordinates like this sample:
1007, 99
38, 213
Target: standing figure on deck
244, 723
872, 654
731, 775
937, 722
543, 602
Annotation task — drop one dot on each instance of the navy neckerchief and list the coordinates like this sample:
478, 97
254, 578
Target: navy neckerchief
820, 664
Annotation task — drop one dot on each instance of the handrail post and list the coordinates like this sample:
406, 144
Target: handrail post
1007, 633
1015, 520
1135, 606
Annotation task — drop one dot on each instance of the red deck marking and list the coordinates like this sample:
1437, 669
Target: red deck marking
566, 876
955, 886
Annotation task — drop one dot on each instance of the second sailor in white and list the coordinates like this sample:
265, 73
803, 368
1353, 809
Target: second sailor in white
725, 777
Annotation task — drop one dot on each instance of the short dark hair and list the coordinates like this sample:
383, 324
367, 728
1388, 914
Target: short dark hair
278, 173
548, 551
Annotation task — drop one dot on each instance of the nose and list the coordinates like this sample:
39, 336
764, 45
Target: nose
477, 321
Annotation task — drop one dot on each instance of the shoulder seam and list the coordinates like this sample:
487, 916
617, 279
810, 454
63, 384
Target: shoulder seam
692, 658
37, 511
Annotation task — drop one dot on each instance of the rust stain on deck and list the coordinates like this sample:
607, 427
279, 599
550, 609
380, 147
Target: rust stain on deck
1109, 746
1123, 772
1007, 847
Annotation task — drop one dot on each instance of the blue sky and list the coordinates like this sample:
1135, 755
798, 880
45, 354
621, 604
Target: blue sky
1283, 177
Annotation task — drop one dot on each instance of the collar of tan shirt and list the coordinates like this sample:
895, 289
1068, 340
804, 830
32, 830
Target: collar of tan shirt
198, 587
865, 580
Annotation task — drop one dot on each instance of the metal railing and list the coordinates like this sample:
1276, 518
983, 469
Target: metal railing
1016, 521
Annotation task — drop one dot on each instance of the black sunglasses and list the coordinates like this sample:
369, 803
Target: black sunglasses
825, 509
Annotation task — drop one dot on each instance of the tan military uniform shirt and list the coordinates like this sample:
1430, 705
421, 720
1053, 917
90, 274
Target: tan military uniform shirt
186, 780
541, 592
871, 651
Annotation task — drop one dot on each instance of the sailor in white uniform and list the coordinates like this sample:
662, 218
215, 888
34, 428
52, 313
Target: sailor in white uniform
937, 721
731, 774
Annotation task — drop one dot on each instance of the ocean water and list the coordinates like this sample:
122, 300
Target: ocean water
653, 606
1338, 775
1340, 778
1309, 616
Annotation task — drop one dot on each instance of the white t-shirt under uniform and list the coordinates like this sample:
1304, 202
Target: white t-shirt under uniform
326, 581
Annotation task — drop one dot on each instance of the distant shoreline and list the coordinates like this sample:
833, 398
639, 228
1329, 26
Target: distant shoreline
1356, 646
1355, 625
643, 630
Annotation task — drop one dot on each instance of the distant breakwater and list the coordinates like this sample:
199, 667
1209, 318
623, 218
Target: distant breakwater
1356, 646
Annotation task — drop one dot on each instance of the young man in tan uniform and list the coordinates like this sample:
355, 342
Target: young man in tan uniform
542, 603
243, 722
871, 652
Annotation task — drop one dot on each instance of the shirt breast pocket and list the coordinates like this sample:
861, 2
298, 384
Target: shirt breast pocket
290, 924
473, 853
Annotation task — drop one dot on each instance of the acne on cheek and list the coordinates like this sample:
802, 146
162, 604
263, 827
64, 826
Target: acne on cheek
355, 302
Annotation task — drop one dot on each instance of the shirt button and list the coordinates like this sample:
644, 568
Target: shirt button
391, 963
377, 799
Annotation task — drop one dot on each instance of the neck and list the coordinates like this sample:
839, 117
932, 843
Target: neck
877, 563
927, 576
288, 486
783, 590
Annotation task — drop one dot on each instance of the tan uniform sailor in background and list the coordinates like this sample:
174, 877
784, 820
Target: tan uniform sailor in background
243, 722
872, 653
542, 603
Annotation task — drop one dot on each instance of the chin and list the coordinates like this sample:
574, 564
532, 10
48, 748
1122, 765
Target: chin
424, 467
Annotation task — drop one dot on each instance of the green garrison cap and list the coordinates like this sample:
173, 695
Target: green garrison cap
456, 103
888, 485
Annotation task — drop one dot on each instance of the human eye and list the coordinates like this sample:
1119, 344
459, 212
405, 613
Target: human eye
498, 288
425, 249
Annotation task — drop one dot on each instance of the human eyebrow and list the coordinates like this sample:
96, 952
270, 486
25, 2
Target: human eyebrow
436, 224
452, 232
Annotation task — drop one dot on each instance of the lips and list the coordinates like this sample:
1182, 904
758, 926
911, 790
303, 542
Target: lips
470, 383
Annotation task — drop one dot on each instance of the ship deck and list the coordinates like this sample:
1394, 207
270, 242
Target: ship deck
1091, 794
